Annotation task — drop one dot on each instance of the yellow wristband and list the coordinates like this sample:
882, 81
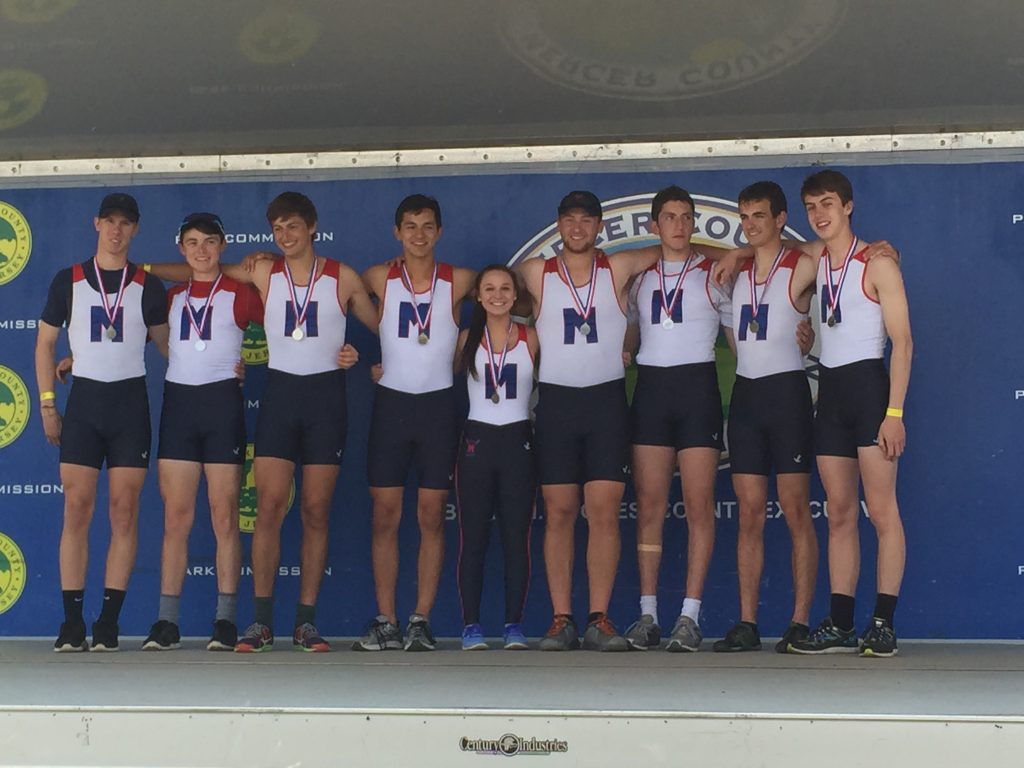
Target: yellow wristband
147, 267
44, 396
896, 413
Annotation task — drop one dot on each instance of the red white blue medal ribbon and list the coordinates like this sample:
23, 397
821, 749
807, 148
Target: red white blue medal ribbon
204, 313
300, 312
496, 368
667, 306
422, 323
583, 309
111, 313
755, 301
834, 291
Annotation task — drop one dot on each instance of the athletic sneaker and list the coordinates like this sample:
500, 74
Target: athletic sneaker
307, 638
827, 638
71, 638
515, 640
742, 637
686, 636
879, 639
225, 636
562, 635
601, 635
380, 635
257, 639
104, 636
473, 638
795, 633
418, 636
643, 633
163, 636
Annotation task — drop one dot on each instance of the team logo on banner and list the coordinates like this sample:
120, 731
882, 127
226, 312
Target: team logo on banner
669, 55
15, 239
247, 499
254, 345
14, 406
34, 11
12, 572
22, 95
625, 225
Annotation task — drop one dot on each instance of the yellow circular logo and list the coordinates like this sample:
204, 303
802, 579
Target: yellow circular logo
278, 36
35, 11
22, 95
247, 499
12, 572
15, 242
14, 406
254, 345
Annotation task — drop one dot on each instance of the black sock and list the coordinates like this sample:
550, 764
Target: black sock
304, 614
751, 624
265, 611
885, 607
113, 599
73, 605
595, 616
842, 611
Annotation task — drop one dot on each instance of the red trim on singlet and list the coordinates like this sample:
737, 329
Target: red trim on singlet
278, 266
77, 273
332, 268
139, 276
859, 256
603, 263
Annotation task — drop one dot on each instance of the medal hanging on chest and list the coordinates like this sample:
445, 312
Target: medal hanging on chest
836, 290
670, 300
301, 311
204, 313
496, 369
422, 322
111, 311
583, 307
755, 300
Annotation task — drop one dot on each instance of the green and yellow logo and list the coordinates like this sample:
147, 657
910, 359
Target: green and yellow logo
15, 241
278, 36
14, 406
254, 345
12, 572
247, 500
35, 11
22, 95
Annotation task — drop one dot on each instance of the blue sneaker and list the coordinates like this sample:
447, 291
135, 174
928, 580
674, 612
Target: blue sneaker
515, 640
473, 638
826, 638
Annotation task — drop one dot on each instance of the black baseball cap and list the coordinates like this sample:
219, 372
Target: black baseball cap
199, 219
121, 202
586, 201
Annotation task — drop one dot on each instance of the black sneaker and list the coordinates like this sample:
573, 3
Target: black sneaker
104, 636
562, 635
827, 638
742, 637
225, 635
163, 636
71, 638
418, 636
879, 639
795, 633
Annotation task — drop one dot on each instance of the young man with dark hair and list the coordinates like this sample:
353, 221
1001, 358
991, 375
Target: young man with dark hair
110, 308
858, 430
414, 423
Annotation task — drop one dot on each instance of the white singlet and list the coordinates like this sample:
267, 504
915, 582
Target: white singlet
515, 386
859, 333
96, 355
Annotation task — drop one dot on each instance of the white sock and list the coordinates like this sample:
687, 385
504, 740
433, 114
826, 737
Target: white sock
691, 608
649, 606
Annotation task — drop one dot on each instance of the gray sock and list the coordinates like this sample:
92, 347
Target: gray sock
226, 607
170, 608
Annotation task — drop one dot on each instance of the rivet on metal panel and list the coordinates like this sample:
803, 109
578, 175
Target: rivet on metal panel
180, 165
311, 161
486, 156
441, 158
664, 150
355, 160
266, 162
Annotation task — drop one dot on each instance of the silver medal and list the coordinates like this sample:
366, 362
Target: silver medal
754, 326
111, 332
298, 335
585, 329
831, 321
423, 338
495, 397
667, 323
200, 345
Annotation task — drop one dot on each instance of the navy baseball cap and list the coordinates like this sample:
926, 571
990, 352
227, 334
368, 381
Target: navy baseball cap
120, 202
585, 201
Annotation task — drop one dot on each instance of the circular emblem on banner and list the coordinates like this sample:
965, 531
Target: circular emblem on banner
34, 11
254, 345
664, 54
14, 406
22, 95
15, 242
278, 36
624, 225
12, 572
247, 499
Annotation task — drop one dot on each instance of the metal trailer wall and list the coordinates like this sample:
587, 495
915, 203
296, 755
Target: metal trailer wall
957, 220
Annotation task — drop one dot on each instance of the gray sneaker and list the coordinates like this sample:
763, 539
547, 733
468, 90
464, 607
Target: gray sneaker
380, 635
418, 636
686, 636
562, 635
643, 633
601, 635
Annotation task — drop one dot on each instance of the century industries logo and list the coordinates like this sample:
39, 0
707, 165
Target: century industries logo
247, 499
511, 745
14, 406
254, 345
12, 572
15, 241
676, 50
625, 224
